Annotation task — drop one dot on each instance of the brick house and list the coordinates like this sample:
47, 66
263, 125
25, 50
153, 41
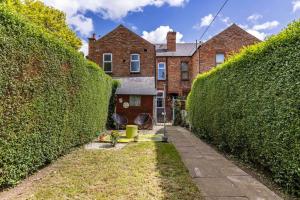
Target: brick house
130, 59
182, 62
144, 69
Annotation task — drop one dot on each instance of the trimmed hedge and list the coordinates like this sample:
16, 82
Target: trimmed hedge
51, 98
250, 106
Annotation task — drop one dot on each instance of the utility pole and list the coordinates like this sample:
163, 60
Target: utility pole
165, 137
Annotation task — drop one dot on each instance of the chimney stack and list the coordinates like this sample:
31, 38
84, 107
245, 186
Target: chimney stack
171, 41
91, 45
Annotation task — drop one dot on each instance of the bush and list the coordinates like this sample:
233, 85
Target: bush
250, 106
110, 124
51, 98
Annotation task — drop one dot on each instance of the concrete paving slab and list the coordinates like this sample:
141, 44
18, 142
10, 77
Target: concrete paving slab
252, 188
216, 177
218, 187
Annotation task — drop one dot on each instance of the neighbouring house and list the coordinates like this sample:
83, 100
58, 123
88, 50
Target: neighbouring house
179, 63
146, 69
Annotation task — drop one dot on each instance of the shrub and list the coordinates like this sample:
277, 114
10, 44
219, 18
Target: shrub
110, 124
250, 106
51, 98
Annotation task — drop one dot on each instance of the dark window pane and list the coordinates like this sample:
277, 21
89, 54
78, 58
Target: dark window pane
107, 57
184, 67
135, 57
135, 66
134, 100
184, 75
107, 67
159, 102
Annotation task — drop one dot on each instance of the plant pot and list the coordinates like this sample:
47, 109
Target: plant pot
101, 138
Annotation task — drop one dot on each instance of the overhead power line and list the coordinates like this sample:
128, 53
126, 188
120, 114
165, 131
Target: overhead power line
225, 2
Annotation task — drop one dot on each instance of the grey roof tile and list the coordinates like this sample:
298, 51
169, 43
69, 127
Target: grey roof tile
136, 86
182, 49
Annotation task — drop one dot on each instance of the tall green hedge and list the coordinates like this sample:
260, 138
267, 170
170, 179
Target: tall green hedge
250, 106
51, 98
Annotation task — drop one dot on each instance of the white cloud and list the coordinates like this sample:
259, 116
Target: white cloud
266, 26
114, 10
226, 20
205, 21
84, 48
81, 24
253, 18
159, 35
108, 9
296, 5
259, 35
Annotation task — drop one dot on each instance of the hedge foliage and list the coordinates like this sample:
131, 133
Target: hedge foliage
51, 98
250, 106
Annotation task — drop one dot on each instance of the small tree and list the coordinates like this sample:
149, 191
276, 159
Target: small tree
112, 105
50, 19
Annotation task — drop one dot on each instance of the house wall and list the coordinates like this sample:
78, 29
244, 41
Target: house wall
132, 112
122, 42
173, 81
229, 42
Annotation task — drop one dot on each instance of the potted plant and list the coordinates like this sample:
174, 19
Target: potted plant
114, 137
100, 136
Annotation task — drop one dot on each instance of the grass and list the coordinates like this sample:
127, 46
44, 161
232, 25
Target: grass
148, 170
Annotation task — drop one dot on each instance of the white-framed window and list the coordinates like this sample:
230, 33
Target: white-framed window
135, 62
134, 100
107, 62
160, 99
161, 71
220, 58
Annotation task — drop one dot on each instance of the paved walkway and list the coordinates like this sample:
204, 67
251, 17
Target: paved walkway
216, 177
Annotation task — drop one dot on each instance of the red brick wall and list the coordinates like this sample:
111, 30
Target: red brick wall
230, 41
122, 42
132, 112
171, 41
173, 76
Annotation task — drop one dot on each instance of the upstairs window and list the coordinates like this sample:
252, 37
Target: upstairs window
161, 71
220, 58
135, 63
184, 71
134, 101
107, 62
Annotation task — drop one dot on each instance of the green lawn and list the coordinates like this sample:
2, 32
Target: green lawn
146, 170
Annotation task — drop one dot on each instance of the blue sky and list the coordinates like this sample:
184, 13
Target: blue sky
152, 19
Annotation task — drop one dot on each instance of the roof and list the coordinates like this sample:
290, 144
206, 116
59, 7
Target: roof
121, 26
136, 86
182, 49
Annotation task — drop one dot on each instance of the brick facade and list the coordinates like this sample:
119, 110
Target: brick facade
122, 42
228, 42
